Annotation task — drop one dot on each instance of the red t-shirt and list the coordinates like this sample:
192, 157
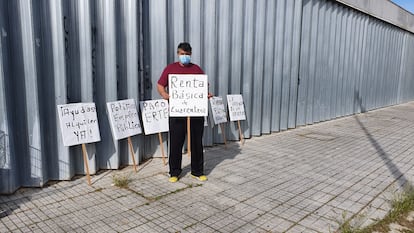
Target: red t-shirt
176, 68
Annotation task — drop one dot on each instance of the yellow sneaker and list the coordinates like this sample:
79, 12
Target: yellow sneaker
200, 178
173, 179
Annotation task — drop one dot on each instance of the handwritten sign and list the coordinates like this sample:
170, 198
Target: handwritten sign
154, 116
218, 110
236, 107
188, 95
78, 123
123, 118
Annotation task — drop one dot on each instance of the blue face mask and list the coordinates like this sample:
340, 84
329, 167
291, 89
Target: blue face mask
184, 59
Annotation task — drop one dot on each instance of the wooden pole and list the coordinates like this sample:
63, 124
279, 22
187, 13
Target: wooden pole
224, 134
241, 134
131, 148
162, 148
188, 137
85, 160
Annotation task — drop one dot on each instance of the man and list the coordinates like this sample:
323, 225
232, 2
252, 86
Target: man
178, 125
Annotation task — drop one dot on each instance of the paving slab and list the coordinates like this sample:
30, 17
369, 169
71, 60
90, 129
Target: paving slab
307, 179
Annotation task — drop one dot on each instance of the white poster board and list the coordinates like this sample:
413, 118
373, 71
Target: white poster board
217, 109
78, 123
188, 95
236, 107
154, 116
123, 118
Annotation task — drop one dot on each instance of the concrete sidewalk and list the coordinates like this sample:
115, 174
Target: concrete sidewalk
301, 180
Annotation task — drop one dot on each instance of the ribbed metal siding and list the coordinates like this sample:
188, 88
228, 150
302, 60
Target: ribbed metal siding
7, 175
405, 85
350, 62
295, 63
256, 48
56, 52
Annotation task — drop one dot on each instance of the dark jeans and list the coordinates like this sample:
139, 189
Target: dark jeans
178, 130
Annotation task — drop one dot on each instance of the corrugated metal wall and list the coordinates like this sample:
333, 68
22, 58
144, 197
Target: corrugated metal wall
295, 62
350, 62
56, 52
249, 47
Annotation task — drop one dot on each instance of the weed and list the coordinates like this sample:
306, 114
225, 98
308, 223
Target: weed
98, 190
352, 225
401, 204
121, 181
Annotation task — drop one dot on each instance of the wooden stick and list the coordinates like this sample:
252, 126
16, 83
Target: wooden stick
162, 148
224, 134
241, 134
131, 148
188, 137
85, 160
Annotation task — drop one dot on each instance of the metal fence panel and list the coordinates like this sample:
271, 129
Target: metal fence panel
31, 151
106, 81
224, 65
210, 47
287, 63
269, 57
257, 81
293, 97
247, 68
8, 180
52, 87
80, 46
128, 66
278, 71
304, 66
156, 55
237, 60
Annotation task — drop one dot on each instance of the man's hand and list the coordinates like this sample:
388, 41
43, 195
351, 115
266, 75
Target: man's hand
162, 92
165, 95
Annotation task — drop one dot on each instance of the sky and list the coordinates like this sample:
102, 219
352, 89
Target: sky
406, 4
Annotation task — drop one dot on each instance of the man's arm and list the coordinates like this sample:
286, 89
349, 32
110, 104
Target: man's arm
162, 92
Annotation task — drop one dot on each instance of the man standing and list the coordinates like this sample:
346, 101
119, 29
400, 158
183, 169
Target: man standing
178, 125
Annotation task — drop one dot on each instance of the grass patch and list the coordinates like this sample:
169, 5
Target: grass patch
401, 204
352, 225
121, 181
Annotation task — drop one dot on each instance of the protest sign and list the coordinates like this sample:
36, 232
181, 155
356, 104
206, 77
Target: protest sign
124, 121
236, 111
123, 118
78, 123
154, 116
188, 95
236, 107
218, 111
219, 114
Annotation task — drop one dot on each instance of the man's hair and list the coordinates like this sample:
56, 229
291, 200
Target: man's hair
185, 46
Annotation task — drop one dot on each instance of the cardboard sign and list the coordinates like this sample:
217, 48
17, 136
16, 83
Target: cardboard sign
188, 95
78, 123
123, 118
236, 107
218, 110
154, 116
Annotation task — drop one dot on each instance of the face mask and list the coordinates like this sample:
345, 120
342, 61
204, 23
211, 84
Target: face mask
184, 59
